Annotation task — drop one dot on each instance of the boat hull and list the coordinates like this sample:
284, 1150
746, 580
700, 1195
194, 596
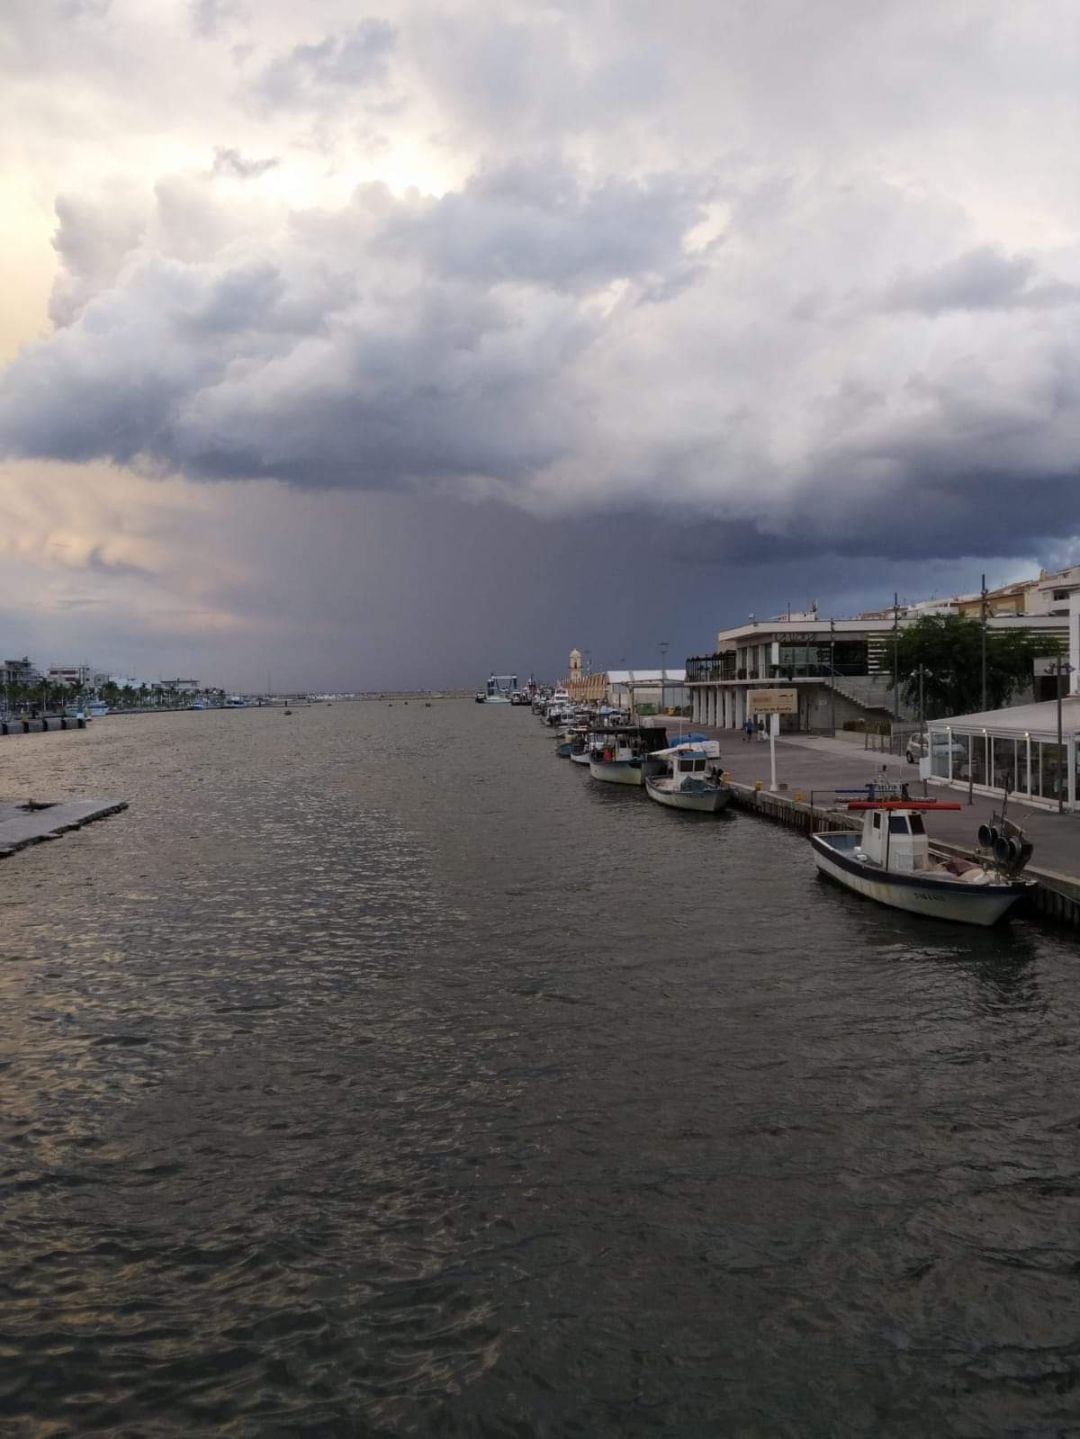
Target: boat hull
982, 905
707, 800
617, 771
583, 758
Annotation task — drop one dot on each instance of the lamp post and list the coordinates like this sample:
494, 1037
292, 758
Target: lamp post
832, 671
896, 651
663, 674
982, 612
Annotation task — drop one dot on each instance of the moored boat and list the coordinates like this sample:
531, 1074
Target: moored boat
625, 754
692, 782
890, 861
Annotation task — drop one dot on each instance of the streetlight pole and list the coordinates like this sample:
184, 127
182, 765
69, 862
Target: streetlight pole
922, 703
663, 671
832, 671
896, 651
982, 612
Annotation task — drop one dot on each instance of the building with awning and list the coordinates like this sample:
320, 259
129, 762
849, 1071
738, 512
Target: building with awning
1020, 749
661, 689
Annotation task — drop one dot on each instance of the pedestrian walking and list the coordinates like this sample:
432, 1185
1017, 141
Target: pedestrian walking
748, 729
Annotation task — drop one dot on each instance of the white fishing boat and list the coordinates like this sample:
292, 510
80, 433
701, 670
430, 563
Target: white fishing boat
890, 861
625, 754
693, 781
97, 709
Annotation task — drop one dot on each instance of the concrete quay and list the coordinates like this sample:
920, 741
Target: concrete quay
811, 767
42, 725
31, 823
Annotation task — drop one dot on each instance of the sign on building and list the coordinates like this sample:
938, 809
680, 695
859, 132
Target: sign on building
773, 702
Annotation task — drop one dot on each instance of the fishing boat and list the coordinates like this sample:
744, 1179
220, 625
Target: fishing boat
573, 740
97, 709
692, 782
624, 754
890, 861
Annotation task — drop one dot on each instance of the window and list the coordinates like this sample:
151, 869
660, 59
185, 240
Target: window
1051, 768
1061, 594
877, 819
897, 824
917, 826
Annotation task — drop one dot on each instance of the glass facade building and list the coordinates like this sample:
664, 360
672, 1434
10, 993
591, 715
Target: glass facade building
1016, 750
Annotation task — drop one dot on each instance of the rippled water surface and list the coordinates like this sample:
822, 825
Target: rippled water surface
378, 1073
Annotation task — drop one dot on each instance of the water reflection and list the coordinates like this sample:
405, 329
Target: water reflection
377, 1072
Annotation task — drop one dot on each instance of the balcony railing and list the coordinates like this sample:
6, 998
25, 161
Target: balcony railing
712, 669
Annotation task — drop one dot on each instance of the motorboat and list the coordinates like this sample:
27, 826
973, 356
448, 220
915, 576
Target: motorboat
625, 754
97, 709
693, 781
891, 861
573, 742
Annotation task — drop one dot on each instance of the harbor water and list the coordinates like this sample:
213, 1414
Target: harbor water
378, 1073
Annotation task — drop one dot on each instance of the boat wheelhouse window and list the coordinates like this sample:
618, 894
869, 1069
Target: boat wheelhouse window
917, 826
898, 824
877, 820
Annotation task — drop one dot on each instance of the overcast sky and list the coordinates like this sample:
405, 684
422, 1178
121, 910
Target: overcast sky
364, 347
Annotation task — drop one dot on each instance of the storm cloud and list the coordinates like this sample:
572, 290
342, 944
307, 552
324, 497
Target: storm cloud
768, 283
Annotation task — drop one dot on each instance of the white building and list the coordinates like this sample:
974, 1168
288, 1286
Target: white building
842, 669
1015, 748
1032, 749
660, 689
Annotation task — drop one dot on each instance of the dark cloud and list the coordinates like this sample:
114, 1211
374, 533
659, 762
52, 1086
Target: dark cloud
369, 353
314, 75
228, 161
209, 16
538, 222
981, 279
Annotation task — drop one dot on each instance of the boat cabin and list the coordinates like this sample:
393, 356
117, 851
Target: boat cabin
895, 839
694, 756
625, 742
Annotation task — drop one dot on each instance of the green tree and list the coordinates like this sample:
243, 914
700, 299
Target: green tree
949, 650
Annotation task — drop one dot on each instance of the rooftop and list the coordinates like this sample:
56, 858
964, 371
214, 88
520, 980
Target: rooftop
1035, 719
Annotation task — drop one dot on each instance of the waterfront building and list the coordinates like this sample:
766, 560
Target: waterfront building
70, 675
1017, 748
842, 669
1032, 749
582, 684
642, 690
17, 679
